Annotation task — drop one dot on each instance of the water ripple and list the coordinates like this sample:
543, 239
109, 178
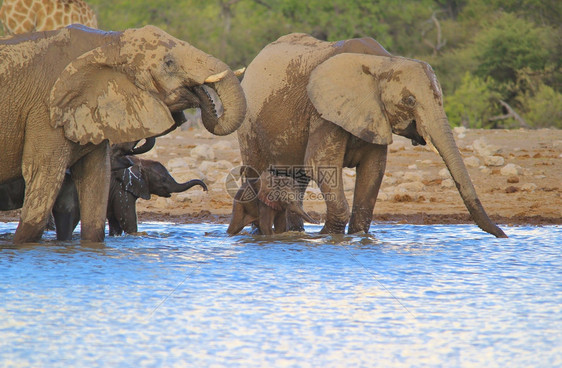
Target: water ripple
189, 295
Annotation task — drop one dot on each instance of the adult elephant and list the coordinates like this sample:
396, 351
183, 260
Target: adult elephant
67, 94
320, 106
66, 209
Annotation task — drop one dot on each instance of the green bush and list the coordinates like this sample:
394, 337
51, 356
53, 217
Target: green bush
544, 108
471, 104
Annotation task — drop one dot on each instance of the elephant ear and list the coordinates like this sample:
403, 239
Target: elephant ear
274, 190
134, 182
345, 90
96, 97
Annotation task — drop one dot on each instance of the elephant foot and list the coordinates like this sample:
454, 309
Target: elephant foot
294, 222
333, 228
95, 236
26, 233
354, 229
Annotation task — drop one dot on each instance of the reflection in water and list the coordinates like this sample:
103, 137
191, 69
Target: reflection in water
190, 295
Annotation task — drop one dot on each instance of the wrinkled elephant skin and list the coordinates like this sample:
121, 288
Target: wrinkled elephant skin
68, 94
321, 106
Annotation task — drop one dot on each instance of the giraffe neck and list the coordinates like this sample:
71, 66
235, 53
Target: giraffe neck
21, 16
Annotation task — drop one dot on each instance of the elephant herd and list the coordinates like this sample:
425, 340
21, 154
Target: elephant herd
76, 102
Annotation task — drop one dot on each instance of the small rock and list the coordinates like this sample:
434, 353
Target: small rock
444, 173
494, 160
529, 187
485, 170
224, 165
191, 196
348, 172
513, 179
348, 182
448, 183
510, 169
413, 167
459, 130
412, 176
511, 189
203, 151
472, 161
176, 163
207, 166
382, 196
222, 146
389, 180
412, 187
160, 203
481, 148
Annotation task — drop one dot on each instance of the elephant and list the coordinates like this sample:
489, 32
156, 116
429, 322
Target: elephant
314, 107
144, 178
68, 94
266, 200
66, 212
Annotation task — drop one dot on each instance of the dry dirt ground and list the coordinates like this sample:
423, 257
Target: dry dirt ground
517, 174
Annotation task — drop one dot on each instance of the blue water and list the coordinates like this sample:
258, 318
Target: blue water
190, 296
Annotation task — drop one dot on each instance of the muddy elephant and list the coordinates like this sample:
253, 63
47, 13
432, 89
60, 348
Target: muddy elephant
68, 94
315, 107
266, 201
144, 178
66, 211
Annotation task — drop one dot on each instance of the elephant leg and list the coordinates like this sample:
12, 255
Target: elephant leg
128, 215
280, 222
369, 175
66, 210
266, 217
114, 227
294, 221
43, 180
324, 156
91, 176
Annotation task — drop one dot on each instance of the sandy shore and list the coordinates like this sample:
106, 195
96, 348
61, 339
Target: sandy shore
517, 174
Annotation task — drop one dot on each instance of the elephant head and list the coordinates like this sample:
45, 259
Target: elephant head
144, 75
266, 200
374, 96
146, 177
119, 153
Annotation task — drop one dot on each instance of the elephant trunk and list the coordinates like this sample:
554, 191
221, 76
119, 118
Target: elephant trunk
228, 89
147, 146
441, 136
296, 208
182, 187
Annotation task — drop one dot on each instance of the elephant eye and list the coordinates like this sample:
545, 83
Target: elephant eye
169, 61
409, 101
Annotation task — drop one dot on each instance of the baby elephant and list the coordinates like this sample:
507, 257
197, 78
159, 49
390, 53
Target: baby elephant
144, 178
266, 200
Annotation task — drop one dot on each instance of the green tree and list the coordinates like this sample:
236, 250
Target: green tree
471, 104
508, 45
544, 108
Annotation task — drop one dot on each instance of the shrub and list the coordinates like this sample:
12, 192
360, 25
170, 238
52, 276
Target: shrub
544, 108
471, 104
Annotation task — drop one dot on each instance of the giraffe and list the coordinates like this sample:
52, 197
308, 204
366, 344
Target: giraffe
21, 16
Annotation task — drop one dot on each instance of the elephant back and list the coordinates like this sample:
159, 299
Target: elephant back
282, 64
275, 79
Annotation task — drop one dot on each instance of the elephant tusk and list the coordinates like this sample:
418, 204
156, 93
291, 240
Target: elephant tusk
216, 77
239, 72
431, 146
